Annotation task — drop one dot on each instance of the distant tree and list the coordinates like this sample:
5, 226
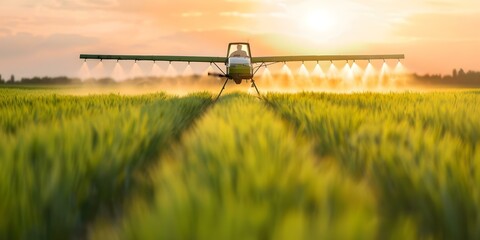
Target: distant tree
454, 73
1, 79
12, 79
461, 72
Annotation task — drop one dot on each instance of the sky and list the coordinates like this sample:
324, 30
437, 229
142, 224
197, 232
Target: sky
45, 37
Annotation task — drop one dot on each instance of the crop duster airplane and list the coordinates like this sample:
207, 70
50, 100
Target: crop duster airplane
240, 65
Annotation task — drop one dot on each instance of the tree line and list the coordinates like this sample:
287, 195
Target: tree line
40, 80
457, 78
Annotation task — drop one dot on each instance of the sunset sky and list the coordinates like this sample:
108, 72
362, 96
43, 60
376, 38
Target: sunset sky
45, 37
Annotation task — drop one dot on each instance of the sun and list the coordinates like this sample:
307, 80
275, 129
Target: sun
320, 24
319, 21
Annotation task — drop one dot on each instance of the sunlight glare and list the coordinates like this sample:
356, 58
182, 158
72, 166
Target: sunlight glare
319, 21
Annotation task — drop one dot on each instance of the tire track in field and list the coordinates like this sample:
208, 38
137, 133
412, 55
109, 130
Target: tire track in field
329, 127
241, 173
187, 110
417, 159
329, 124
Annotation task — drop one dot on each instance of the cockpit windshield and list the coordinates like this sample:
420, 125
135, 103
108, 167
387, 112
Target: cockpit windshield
238, 50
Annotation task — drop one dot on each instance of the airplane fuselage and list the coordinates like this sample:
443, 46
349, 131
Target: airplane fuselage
239, 62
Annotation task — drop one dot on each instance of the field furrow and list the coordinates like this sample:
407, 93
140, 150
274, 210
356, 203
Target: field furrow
420, 153
81, 157
243, 174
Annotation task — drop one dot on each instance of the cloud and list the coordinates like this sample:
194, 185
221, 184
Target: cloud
214, 42
78, 4
26, 54
177, 14
428, 56
26, 44
192, 14
237, 14
205, 27
4, 31
437, 26
440, 3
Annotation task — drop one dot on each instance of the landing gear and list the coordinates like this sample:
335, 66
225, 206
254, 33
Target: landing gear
255, 86
223, 88
226, 81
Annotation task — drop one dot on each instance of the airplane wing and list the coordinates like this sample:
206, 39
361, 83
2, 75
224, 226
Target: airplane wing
306, 58
272, 59
155, 58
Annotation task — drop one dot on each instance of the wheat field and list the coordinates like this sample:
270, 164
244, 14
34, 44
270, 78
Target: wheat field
286, 166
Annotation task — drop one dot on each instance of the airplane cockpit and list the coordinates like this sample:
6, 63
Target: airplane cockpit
239, 50
238, 54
